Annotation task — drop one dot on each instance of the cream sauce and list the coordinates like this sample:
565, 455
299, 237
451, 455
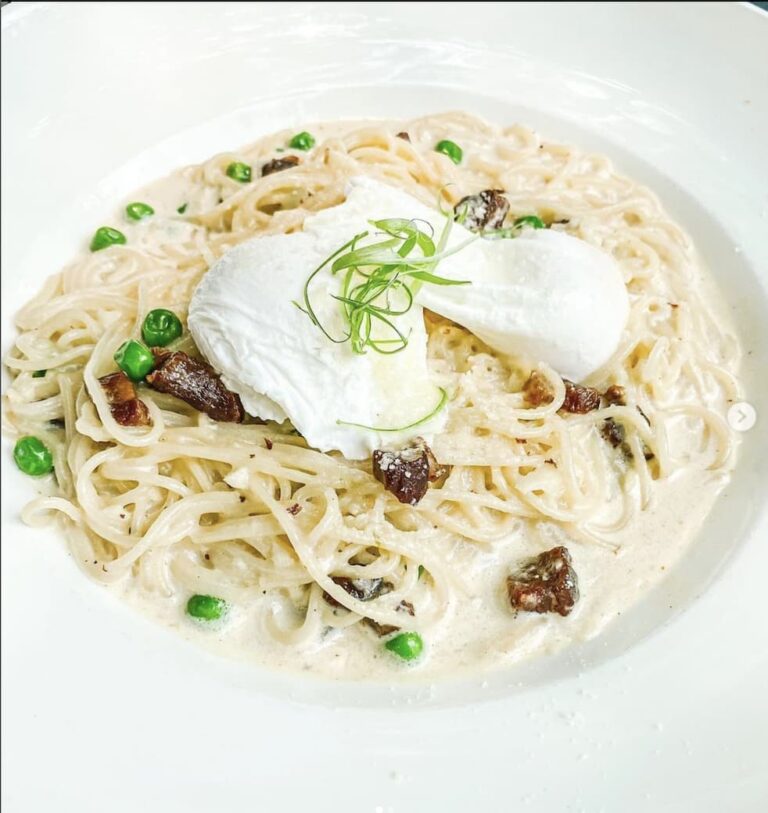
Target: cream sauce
481, 633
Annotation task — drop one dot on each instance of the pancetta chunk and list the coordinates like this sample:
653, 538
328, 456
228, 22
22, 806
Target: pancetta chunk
126, 408
195, 382
407, 473
484, 211
279, 164
545, 584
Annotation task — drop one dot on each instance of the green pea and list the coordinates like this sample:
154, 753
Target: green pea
105, 237
302, 141
406, 645
532, 221
452, 150
182, 208
160, 327
39, 373
239, 171
138, 210
208, 607
134, 359
32, 456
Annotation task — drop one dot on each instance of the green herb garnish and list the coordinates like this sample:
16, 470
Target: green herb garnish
527, 221
380, 281
182, 208
440, 404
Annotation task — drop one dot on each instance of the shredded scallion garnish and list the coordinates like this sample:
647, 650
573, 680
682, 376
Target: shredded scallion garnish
380, 280
440, 404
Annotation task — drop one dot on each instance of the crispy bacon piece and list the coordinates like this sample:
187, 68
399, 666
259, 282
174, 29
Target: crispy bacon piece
125, 407
279, 164
580, 399
361, 589
545, 584
408, 472
613, 432
485, 210
366, 590
131, 413
615, 395
380, 629
117, 387
196, 383
537, 389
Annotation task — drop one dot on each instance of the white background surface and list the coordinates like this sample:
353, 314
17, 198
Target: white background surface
101, 710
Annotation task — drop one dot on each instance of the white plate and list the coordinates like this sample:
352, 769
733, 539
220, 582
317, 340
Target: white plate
102, 710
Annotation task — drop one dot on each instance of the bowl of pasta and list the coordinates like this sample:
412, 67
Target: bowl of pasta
355, 365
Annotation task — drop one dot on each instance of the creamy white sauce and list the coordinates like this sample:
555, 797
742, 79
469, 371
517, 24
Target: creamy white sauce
481, 632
